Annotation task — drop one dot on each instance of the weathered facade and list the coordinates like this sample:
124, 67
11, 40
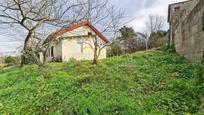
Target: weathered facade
186, 28
75, 42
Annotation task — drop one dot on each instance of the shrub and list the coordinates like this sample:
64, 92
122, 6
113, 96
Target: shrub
10, 61
57, 59
115, 50
72, 60
158, 39
1, 69
46, 72
82, 80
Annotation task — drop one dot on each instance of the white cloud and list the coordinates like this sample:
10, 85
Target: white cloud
156, 7
8, 45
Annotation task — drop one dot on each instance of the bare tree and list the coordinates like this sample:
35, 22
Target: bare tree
146, 40
32, 17
35, 18
96, 45
103, 15
154, 24
111, 26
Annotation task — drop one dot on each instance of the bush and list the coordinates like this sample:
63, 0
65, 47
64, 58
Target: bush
203, 58
115, 50
158, 39
10, 61
73, 60
1, 69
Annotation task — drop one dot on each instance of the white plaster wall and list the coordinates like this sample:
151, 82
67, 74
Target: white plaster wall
67, 49
57, 50
70, 50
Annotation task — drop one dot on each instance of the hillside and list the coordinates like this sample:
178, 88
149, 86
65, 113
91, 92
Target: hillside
154, 81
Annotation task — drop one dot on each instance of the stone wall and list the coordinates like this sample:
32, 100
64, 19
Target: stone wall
189, 36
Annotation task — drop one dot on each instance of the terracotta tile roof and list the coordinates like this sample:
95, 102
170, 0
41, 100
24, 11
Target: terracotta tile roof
55, 35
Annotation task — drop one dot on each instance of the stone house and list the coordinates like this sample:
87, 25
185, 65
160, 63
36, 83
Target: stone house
186, 28
75, 42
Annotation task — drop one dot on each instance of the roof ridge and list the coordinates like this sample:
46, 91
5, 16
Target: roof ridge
77, 25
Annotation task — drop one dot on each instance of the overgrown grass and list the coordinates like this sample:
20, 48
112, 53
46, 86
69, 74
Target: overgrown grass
151, 82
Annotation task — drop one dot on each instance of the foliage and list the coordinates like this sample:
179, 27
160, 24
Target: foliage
11, 61
130, 40
160, 33
115, 50
169, 48
151, 82
158, 39
1, 69
127, 32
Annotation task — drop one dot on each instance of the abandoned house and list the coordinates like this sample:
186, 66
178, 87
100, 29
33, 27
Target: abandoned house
75, 42
186, 20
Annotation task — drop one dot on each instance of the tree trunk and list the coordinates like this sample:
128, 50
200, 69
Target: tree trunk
36, 58
95, 60
44, 57
25, 48
146, 44
22, 60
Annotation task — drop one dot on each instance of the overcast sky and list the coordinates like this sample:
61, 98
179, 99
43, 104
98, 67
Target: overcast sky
139, 10
136, 11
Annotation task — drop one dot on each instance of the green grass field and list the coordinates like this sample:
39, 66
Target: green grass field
152, 82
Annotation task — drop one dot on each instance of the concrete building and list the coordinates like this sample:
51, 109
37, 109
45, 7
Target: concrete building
186, 28
75, 41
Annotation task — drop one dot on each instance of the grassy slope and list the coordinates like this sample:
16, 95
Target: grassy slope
144, 82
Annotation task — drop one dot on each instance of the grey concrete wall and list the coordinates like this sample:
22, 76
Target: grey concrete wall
189, 36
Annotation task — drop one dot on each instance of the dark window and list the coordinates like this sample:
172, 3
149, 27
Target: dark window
52, 51
177, 9
89, 33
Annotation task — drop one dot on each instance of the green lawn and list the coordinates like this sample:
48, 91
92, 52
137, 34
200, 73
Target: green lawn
152, 82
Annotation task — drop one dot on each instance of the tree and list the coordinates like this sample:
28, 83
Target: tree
33, 17
115, 49
132, 41
11, 61
154, 24
106, 17
127, 38
127, 32
158, 38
